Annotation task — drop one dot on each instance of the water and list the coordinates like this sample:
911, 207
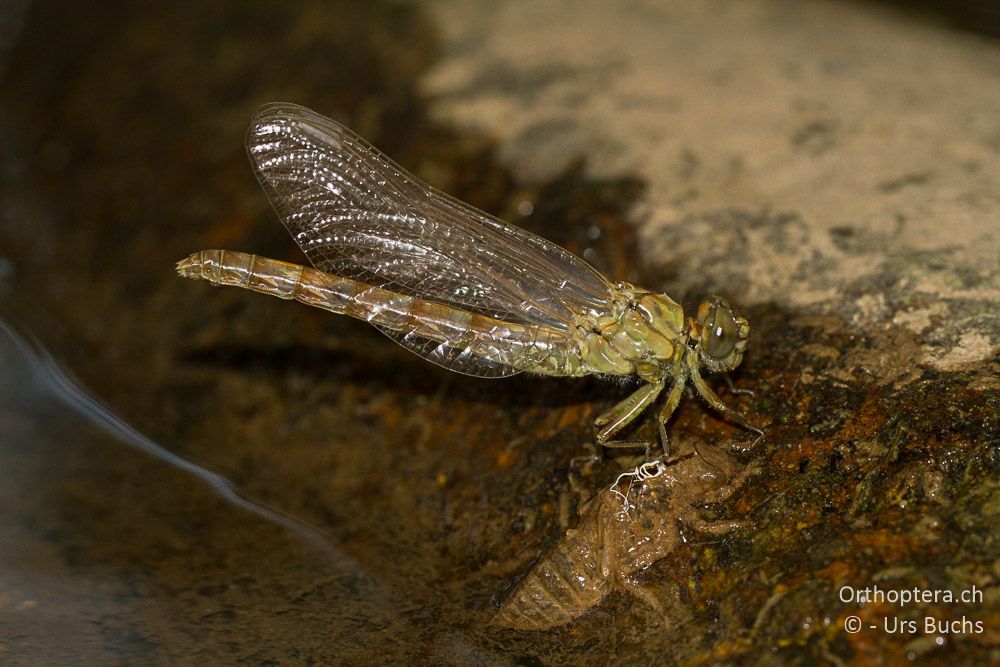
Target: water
98, 546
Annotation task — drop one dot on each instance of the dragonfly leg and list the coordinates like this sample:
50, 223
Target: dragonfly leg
720, 527
586, 462
733, 389
712, 399
731, 485
673, 400
623, 413
632, 586
648, 445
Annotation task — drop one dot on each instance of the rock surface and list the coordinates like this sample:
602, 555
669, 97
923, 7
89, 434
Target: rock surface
831, 154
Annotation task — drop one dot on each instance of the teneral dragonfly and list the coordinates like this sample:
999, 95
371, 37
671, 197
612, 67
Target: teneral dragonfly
457, 286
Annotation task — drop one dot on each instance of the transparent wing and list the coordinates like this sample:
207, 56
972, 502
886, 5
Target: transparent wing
357, 214
454, 358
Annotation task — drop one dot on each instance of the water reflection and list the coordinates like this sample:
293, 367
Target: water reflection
52, 383
123, 552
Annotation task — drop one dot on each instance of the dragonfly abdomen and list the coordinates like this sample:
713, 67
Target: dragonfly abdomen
528, 348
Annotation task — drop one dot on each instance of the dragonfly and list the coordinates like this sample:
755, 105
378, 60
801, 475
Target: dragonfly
459, 287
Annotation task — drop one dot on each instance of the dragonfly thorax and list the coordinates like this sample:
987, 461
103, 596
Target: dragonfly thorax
641, 334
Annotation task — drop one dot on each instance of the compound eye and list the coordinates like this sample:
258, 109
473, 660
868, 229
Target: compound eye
721, 333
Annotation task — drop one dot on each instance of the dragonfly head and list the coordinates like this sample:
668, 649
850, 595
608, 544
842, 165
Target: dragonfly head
719, 335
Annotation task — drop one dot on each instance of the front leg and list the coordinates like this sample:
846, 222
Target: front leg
623, 413
712, 399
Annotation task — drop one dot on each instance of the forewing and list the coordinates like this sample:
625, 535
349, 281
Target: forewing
357, 214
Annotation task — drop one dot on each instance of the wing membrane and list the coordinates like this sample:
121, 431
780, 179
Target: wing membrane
357, 214
453, 358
